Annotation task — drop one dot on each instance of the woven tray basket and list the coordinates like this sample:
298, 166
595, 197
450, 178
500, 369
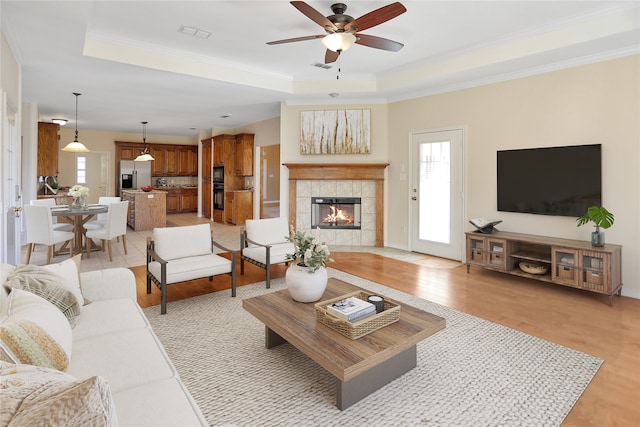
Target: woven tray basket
362, 327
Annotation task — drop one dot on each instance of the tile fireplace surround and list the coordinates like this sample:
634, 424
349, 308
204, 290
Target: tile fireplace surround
364, 180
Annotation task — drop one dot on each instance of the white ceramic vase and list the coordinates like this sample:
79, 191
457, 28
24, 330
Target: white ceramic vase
304, 286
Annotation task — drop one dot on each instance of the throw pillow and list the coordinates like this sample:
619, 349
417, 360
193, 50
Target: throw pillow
49, 286
30, 344
24, 305
32, 395
18, 381
69, 270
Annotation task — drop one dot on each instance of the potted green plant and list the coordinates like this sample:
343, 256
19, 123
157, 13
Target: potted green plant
601, 218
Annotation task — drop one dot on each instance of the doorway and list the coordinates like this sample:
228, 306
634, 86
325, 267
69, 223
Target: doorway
270, 181
437, 193
92, 169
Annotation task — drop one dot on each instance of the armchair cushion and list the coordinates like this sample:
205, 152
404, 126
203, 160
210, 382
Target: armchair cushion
182, 242
194, 267
267, 231
278, 253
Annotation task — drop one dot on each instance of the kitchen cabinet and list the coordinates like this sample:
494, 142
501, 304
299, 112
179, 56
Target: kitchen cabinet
147, 210
217, 153
244, 154
224, 149
173, 200
47, 149
188, 200
159, 161
238, 207
181, 200
188, 161
169, 159
206, 177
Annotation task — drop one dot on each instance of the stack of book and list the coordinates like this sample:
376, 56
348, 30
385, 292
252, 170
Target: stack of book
351, 309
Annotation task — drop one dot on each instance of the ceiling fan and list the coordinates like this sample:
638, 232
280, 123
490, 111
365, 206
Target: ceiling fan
343, 31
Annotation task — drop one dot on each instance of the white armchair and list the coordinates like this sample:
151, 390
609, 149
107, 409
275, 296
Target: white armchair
180, 254
264, 243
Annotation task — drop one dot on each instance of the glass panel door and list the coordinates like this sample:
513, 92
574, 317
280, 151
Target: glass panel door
436, 194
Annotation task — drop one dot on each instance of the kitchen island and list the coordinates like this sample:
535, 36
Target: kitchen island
147, 210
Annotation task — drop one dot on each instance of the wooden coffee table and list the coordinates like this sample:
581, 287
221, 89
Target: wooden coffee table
360, 366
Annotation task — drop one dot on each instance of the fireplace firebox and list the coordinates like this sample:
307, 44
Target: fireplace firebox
335, 212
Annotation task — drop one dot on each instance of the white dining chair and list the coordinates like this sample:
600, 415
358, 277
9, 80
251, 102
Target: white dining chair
115, 226
39, 224
51, 202
101, 219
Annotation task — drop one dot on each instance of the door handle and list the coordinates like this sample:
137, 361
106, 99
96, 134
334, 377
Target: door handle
414, 198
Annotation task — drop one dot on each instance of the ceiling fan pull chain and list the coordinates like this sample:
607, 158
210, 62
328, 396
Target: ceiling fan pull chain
338, 70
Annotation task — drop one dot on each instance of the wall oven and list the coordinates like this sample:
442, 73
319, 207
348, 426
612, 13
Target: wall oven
218, 196
217, 174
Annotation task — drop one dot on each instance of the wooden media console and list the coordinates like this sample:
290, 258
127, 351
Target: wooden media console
565, 262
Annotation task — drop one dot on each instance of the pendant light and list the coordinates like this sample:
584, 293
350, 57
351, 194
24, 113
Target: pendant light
75, 146
144, 154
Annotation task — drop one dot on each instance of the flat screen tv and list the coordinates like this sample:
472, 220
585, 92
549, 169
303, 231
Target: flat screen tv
562, 181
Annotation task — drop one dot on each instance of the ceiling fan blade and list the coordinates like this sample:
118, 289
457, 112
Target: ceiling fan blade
330, 56
314, 15
378, 42
297, 39
376, 17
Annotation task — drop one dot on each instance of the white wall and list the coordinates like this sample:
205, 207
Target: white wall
592, 104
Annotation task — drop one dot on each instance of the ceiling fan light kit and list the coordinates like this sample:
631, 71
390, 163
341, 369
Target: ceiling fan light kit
343, 31
338, 42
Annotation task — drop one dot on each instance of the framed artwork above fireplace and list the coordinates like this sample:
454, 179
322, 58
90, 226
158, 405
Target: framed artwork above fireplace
335, 132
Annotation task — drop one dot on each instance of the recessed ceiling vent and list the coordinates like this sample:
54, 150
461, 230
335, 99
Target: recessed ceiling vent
321, 65
193, 31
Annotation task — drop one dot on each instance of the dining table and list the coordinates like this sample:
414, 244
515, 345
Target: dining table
78, 217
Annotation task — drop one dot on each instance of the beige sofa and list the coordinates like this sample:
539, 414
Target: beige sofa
113, 340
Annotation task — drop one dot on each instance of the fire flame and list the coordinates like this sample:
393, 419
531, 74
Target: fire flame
337, 215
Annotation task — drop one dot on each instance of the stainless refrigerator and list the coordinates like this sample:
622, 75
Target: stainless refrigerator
133, 174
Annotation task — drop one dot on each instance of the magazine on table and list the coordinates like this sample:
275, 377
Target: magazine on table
351, 309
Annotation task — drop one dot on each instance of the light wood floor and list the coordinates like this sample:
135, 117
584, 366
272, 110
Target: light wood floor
576, 319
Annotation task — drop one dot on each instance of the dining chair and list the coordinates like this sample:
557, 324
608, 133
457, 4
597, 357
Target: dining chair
101, 219
51, 202
39, 224
115, 226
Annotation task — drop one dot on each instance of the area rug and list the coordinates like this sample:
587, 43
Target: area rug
473, 373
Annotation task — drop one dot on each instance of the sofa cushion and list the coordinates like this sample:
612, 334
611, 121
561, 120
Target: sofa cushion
277, 253
25, 342
24, 305
32, 395
180, 242
267, 231
195, 267
49, 286
108, 316
178, 407
126, 359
